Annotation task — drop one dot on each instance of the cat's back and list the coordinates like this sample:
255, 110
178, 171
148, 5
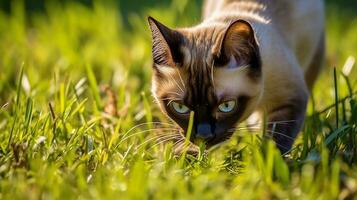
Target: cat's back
279, 11
285, 14
299, 22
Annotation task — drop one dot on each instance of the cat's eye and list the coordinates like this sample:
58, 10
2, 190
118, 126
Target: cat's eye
227, 106
180, 108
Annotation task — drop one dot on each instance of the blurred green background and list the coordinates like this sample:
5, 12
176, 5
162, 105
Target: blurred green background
113, 36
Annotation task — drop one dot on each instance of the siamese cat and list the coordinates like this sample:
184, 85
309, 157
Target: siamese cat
247, 56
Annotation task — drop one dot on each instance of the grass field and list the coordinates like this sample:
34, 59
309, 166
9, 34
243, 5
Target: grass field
77, 120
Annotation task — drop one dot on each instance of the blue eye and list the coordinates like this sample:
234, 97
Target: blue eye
227, 106
180, 108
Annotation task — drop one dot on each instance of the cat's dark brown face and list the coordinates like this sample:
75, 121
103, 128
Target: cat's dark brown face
213, 70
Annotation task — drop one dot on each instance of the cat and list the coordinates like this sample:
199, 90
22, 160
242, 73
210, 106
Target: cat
247, 56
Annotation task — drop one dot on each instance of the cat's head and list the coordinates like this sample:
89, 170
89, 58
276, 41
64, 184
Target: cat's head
213, 70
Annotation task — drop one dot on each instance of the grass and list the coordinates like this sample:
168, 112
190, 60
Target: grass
76, 113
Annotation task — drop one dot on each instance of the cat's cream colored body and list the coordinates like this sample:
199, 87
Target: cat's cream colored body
262, 55
289, 32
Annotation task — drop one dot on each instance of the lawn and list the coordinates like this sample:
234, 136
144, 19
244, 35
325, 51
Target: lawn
77, 120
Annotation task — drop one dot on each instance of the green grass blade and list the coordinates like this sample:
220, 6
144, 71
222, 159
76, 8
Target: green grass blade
336, 96
94, 86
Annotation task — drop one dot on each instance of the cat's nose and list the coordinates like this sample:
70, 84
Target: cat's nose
204, 132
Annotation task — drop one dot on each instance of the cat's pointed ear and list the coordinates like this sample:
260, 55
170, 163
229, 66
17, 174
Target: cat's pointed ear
239, 42
166, 44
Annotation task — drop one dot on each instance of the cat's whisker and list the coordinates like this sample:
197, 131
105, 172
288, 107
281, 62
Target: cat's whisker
161, 142
243, 128
281, 134
277, 144
258, 125
146, 131
170, 98
167, 137
183, 83
179, 141
175, 93
269, 131
157, 138
147, 123
172, 78
163, 135
180, 146
168, 103
276, 122
271, 122
281, 122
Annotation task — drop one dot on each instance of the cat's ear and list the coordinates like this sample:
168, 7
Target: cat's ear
166, 44
239, 42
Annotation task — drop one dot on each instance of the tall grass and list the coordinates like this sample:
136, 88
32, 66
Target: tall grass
62, 135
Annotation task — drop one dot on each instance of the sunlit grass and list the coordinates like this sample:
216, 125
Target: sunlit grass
59, 137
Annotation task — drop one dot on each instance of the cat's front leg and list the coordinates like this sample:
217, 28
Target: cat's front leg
285, 121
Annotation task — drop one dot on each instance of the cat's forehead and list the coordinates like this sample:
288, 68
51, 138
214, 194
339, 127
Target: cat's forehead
203, 34
202, 42
192, 85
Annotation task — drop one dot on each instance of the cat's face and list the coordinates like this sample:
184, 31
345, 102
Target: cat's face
214, 71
